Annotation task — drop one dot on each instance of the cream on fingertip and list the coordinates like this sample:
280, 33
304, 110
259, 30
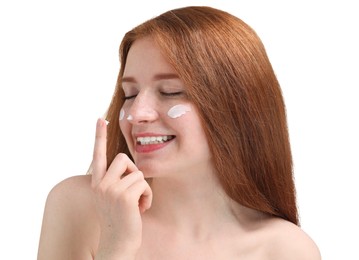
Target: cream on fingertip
102, 119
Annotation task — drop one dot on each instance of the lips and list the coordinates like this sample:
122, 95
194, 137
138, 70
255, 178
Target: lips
148, 140
146, 143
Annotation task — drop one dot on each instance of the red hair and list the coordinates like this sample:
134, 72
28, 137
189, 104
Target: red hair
229, 78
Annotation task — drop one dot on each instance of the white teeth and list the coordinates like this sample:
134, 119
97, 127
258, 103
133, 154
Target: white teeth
153, 139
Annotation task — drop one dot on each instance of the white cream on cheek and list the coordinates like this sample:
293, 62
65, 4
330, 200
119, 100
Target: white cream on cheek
174, 112
178, 110
122, 114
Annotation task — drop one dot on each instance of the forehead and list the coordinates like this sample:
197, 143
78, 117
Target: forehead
145, 59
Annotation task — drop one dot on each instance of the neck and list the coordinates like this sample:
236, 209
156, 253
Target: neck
192, 206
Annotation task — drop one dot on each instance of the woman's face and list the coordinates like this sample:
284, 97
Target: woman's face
161, 127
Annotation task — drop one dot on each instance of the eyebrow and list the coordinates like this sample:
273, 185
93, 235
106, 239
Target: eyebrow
160, 76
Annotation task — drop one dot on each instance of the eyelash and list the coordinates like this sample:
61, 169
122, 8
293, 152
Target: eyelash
170, 94
129, 97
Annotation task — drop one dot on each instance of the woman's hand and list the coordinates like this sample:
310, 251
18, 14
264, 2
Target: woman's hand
121, 195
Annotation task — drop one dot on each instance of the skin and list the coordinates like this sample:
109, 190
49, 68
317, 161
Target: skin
183, 213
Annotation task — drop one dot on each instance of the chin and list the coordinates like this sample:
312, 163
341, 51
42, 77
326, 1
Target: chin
150, 170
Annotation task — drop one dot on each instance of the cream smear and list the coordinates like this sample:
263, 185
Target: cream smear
178, 110
122, 114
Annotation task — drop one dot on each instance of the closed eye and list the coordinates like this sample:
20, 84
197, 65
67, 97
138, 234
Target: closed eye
172, 94
130, 97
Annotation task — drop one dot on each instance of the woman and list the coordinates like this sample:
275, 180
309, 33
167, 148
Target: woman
195, 162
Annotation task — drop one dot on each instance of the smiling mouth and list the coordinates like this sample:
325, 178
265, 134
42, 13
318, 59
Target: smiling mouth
154, 139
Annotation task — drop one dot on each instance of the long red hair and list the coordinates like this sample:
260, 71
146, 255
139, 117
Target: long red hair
229, 78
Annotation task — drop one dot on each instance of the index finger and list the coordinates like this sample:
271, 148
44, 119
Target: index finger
99, 161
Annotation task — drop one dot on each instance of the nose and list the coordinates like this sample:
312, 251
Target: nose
143, 109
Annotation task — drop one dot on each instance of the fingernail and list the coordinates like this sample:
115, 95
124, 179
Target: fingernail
99, 122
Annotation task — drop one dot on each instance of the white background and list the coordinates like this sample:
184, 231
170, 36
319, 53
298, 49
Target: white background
58, 67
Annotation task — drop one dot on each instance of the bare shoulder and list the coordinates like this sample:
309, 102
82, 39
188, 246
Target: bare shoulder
71, 194
288, 241
72, 186
69, 221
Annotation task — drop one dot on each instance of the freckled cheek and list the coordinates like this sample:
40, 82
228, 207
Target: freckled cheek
185, 125
181, 123
125, 127
191, 125
124, 124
